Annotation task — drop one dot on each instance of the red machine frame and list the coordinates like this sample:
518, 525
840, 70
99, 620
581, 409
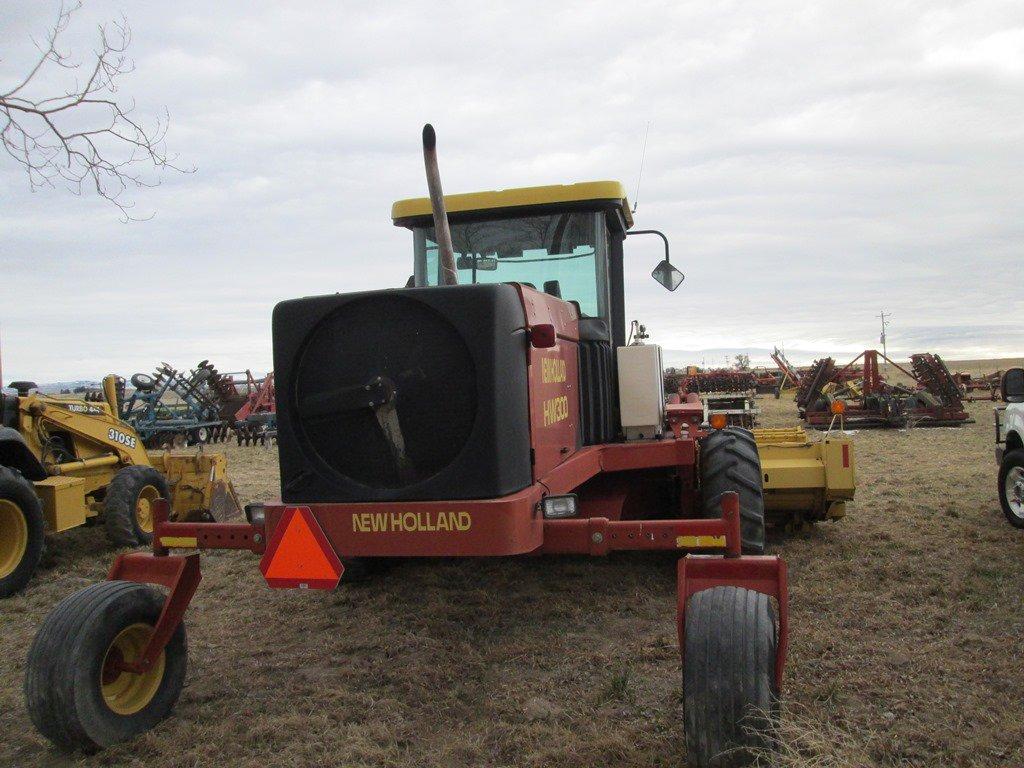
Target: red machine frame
506, 526
988, 384
259, 396
601, 476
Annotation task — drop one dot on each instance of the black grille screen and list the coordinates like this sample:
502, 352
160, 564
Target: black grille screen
596, 395
391, 344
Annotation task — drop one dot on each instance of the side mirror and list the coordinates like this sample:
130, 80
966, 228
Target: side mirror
1012, 386
669, 277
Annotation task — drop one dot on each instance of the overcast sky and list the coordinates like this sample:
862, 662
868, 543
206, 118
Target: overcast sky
812, 163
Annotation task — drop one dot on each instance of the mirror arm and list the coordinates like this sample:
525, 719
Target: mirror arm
652, 232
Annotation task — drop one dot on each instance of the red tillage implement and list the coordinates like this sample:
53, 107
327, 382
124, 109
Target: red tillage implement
931, 399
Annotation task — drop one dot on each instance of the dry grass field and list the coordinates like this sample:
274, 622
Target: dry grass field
906, 645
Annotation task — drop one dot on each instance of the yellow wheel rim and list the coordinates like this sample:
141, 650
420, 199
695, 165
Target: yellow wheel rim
144, 508
13, 537
128, 692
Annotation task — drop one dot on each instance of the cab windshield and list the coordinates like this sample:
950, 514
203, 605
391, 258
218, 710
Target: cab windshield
562, 254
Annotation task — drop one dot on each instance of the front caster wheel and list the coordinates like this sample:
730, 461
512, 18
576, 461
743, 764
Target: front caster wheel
730, 703
78, 693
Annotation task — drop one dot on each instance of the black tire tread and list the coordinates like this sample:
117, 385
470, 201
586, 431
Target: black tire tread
57, 652
728, 677
1014, 458
19, 490
729, 461
119, 504
46, 705
143, 382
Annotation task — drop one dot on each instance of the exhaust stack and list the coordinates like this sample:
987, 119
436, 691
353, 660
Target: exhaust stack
110, 395
445, 249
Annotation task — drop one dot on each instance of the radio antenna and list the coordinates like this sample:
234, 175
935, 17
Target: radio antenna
639, 176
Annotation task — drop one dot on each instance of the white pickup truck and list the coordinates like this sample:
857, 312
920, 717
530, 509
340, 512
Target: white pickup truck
1010, 446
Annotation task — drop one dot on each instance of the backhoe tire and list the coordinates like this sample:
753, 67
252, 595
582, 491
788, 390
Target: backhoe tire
128, 507
21, 532
729, 462
76, 695
730, 702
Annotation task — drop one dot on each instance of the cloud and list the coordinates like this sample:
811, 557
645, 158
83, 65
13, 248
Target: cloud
811, 164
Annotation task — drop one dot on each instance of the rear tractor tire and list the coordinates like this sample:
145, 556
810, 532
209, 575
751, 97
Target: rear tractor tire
128, 507
730, 703
78, 694
21, 532
729, 462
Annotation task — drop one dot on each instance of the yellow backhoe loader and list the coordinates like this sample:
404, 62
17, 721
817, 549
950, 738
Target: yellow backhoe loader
66, 462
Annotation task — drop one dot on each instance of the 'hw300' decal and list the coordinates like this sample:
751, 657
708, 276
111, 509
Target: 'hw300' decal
555, 410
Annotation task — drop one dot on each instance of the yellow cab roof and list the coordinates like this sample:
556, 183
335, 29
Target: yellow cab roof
522, 197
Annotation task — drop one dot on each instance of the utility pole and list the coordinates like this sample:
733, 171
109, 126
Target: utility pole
883, 316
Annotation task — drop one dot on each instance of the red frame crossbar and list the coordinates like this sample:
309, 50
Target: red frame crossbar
592, 536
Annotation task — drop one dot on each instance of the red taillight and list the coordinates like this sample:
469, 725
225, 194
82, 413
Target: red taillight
846, 457
543, 336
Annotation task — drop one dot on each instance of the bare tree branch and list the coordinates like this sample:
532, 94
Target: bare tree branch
84, 137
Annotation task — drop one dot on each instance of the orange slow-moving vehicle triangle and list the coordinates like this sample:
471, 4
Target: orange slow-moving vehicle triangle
299, 555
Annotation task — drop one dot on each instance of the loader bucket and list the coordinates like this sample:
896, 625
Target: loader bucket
805, 480
199, 485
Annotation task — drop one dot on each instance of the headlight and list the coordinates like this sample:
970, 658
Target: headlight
559, 507
255, 514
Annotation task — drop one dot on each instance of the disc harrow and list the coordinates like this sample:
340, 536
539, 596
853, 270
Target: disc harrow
255, 421
813, 381
171, 409
933, 375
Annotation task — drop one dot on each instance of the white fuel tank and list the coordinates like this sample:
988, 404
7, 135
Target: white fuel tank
641, 391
